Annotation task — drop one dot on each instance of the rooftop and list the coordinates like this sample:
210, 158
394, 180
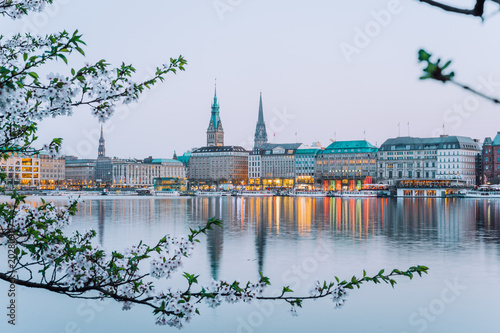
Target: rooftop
354, 146
213, 149
442, 142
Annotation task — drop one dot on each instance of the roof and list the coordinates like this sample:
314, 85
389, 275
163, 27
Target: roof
307, 151
267, 146
487, 142
442, 142
165, 160
354, 146
496, 140
213, 149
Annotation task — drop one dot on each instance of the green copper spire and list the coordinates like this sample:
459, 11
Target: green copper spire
215, 132
215, 110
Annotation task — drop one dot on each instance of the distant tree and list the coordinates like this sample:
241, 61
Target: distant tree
41, 255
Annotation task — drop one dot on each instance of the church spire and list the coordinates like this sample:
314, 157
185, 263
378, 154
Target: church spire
260, 130
215, 132
261, 111
101, 152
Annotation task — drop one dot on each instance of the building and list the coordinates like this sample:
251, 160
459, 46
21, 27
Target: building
491, 160
168, 184
52, 172
104, 167
442, 158
457, 159
101, 151
215, 165
260, 129
254, 170
79, 173
273, 166
21, 170
305, 161
136, 173
346, 165
215, 132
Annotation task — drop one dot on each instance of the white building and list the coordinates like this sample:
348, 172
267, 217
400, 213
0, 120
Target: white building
457, 159
445, 157
21, 170
52, 172
134, 173
254, 166
305, 162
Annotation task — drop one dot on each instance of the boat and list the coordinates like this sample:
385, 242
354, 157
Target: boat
144, 191
248, 193
209, 193
355, 194
309, 194
168, 193
484, 191
188, 194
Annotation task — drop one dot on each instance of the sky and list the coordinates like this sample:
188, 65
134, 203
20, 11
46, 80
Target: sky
327, 70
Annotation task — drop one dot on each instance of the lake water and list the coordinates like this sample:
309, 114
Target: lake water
295, 241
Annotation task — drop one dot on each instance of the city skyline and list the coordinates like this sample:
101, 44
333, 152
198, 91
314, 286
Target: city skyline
318, 73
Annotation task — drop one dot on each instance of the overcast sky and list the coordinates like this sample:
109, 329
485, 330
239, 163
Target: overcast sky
326, 69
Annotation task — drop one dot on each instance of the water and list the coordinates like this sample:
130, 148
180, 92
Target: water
295, 241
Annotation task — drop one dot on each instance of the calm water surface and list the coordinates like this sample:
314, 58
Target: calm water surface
295, 241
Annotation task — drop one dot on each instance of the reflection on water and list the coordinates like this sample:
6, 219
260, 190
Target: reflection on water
456, 238
439, 223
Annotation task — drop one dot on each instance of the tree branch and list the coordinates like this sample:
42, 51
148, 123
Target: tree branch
478, 9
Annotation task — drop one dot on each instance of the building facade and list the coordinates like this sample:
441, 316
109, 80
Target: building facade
79, 173
442, 158
273, 166
104, 167
52, 172
457, 159
22, 170
215, 132
491, 160
254, 170
305, 162
346, 165
215, 165
136, 173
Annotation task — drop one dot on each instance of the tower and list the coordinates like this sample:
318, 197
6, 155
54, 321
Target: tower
260, 130
101, 152
215, 132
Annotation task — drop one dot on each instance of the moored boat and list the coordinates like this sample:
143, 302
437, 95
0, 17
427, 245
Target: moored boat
310, 194
169, 193
209, 193
484, 191
246, 193
355, 194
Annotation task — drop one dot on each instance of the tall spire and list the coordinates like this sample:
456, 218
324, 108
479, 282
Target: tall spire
101, 152
261, 111
260, 130
215, 132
